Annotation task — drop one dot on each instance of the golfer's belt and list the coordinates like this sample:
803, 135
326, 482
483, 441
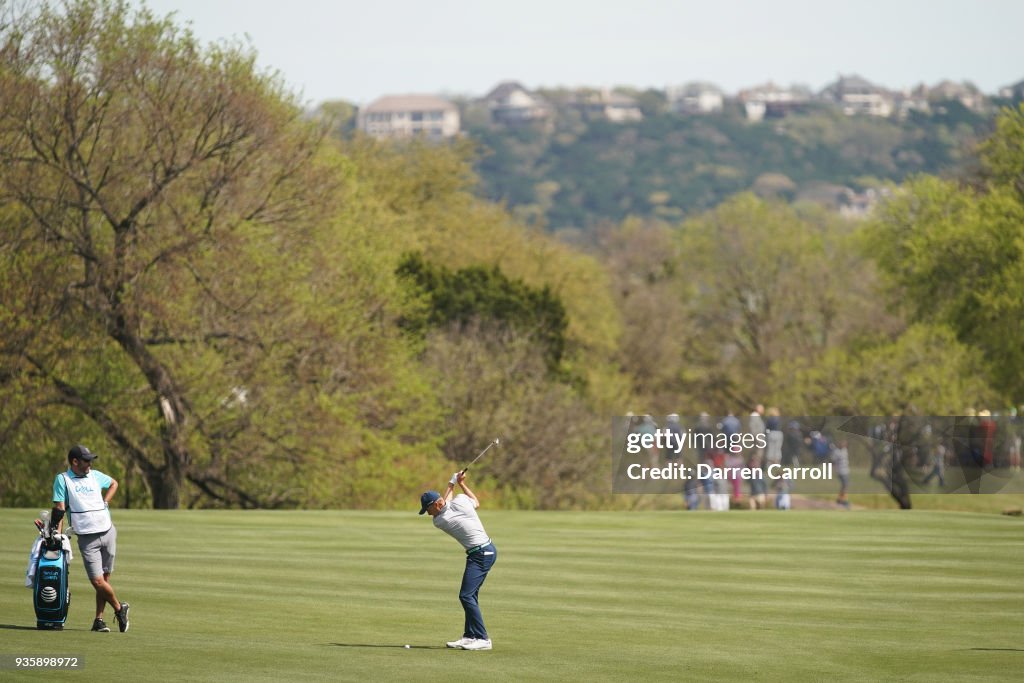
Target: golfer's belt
478, 548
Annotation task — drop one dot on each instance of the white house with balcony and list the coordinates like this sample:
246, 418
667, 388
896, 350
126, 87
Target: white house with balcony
608, 104
406, 116
858, 96
695, 98
1015, 91
510, 104
771, 100
966, 93
907, 101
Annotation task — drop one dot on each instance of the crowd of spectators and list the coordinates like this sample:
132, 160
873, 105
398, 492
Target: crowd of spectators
897, 451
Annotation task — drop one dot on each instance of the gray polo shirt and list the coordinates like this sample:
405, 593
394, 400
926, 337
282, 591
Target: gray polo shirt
459, 520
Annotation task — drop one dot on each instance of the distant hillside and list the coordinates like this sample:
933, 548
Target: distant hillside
578, 173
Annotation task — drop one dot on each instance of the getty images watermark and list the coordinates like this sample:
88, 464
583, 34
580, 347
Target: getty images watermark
814, 454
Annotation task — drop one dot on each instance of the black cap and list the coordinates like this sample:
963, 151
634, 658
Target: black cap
81, 452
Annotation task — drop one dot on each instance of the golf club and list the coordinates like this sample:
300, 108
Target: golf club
496, 442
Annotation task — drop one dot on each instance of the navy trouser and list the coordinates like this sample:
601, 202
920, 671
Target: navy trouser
477, 566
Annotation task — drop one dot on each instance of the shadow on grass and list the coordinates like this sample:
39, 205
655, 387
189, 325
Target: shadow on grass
17, 627
400, 647
997, 649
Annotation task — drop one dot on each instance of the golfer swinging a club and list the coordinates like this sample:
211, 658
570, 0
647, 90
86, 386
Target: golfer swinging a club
458, 519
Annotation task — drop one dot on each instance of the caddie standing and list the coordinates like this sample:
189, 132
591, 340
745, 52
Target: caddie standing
80, 492
459, 520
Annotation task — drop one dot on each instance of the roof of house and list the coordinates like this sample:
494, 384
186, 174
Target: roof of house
504, 89
953, 89
772, 92
604, 97
696, 88
409, 103
618, 100
853, 85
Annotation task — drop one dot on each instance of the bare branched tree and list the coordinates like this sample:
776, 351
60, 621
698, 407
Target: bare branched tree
137, 167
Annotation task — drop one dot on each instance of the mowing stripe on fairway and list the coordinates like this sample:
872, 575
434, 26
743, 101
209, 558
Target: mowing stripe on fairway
253, 596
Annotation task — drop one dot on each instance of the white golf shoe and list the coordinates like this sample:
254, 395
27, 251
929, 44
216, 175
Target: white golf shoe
478, 644
459, 644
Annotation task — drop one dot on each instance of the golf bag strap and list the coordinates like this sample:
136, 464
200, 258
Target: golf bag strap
56, 515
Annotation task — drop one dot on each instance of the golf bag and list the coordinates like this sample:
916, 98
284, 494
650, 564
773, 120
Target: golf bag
51, 592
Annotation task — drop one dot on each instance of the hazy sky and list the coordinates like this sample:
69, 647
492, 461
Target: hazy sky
357, 51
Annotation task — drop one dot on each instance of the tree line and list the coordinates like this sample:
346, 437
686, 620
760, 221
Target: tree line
237, 308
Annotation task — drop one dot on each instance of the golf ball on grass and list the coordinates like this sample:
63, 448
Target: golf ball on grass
406, 647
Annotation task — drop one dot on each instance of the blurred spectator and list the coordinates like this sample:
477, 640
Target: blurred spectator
937, 464
734, 461
1014, 427
841, 462
758, 488
705, 433
782, 498
773, 424
648, 426
755, 426
792, 443
718, 499
691, 494
731, 426
986, 437
819, 447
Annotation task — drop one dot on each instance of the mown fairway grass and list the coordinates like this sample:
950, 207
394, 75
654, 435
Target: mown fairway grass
638, 596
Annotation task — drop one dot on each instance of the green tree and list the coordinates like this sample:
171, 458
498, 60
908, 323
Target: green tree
339, 115
1002, 154
476, 294
767, 287
925, 370
497, 385
952, 254
420, 197
645, 261
185, 279
495, 379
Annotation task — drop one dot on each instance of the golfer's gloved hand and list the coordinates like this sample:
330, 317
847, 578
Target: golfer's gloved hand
454, 480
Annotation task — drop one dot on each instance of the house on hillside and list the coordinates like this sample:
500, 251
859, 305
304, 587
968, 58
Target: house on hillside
911, 100
512, 104
613, 106
965, 93
771, 101
403, 116
694, 98
859, 96
1013, 92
